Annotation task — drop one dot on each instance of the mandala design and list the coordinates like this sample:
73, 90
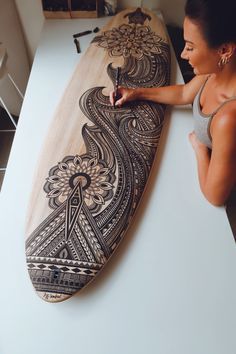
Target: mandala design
130, 40
94, 196
96, 181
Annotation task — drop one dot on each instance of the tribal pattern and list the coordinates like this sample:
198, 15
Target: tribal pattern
94, 196
138, 17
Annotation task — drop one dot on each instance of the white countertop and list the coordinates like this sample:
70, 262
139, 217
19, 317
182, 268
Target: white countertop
171, 286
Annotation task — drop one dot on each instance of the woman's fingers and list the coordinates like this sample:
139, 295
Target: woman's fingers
112, 97
117, 97
121, 100
120, 96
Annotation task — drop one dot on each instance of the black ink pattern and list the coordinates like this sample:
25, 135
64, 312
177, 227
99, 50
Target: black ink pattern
94, 196
131, 41
137, 17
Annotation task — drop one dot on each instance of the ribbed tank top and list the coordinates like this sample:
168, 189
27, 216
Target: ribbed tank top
202, 122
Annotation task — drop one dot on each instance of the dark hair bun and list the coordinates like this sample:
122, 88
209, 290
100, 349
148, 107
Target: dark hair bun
216, 18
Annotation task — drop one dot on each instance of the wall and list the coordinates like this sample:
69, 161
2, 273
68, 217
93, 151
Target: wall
17, 63
32, 20
32, 17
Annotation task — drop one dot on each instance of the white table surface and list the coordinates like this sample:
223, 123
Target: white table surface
171, 286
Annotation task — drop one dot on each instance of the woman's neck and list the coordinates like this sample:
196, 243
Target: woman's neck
226, 79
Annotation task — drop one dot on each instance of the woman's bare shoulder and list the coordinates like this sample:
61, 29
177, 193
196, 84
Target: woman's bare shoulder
224, 124
197, 81
193, 86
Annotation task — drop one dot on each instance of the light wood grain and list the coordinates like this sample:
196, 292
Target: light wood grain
94, 168
64, 136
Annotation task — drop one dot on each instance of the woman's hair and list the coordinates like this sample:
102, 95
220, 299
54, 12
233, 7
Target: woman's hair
216, 18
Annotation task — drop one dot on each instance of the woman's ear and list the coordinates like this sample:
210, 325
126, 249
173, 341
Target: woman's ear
227, 50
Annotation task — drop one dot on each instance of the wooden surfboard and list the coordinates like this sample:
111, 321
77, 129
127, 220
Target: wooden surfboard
96, 159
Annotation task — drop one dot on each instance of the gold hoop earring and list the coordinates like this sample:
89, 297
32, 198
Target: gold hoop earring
223, 61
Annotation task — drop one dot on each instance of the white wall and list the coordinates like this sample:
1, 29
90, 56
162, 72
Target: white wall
32, 18
31, 15
17, 63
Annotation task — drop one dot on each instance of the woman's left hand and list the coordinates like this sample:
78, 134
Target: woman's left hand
196, 144
217, 167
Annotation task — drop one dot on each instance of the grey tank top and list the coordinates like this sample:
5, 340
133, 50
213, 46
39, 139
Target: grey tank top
202, 122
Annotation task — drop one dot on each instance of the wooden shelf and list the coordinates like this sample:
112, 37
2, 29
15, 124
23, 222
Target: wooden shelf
64, 9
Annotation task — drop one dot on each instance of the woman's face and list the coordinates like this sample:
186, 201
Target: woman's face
202, 58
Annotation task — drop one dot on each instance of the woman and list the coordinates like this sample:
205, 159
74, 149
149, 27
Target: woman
210, 48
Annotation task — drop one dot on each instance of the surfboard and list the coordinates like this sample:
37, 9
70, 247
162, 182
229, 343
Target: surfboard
96, 159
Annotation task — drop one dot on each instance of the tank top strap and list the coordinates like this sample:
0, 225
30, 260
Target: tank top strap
222, 104
201, 89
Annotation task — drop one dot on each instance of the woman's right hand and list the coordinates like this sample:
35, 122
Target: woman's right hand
122, 95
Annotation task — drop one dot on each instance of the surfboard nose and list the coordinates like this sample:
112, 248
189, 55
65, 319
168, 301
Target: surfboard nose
56, 279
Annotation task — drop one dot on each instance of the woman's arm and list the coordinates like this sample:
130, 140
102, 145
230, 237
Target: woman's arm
175, 94
217, 172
